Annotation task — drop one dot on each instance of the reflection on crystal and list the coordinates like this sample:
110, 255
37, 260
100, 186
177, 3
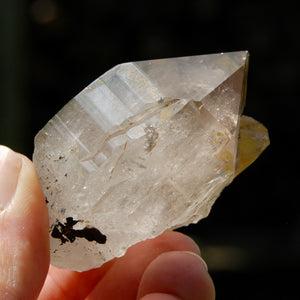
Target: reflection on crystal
146, 147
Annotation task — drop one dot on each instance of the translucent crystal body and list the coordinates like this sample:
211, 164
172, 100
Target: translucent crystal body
146, 147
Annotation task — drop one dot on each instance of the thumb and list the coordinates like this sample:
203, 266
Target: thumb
24, 243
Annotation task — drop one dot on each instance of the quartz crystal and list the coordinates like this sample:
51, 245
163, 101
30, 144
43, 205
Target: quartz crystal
146, 147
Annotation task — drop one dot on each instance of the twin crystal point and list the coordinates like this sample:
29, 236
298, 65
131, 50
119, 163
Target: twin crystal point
146, 147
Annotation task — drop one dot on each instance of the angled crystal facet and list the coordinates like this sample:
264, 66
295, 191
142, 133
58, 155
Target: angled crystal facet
146, 147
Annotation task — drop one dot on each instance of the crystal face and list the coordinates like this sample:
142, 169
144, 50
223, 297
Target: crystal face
146, 147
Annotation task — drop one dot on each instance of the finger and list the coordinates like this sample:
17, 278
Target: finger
24, 243
122, 280
177, 273
67, 284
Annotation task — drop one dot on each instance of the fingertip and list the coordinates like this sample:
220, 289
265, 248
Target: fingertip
177, 273
24, 238
177, 241
199, 257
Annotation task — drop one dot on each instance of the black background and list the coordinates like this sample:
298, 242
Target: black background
50, 50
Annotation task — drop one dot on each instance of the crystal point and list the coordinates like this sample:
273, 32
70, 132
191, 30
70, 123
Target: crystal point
146, 147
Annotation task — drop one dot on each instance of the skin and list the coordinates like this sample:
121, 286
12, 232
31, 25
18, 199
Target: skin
168, 267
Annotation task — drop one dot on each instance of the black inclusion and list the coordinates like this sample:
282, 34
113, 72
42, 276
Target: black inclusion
91, 234
56, 233
66, 233
70, 222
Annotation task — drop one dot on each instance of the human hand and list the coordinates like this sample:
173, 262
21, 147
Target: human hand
168, 267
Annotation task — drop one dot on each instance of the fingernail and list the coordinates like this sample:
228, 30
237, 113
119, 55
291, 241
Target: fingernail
10, 166
155, 296
203, 261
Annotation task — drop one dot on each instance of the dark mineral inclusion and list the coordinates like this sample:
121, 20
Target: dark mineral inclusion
66, 233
